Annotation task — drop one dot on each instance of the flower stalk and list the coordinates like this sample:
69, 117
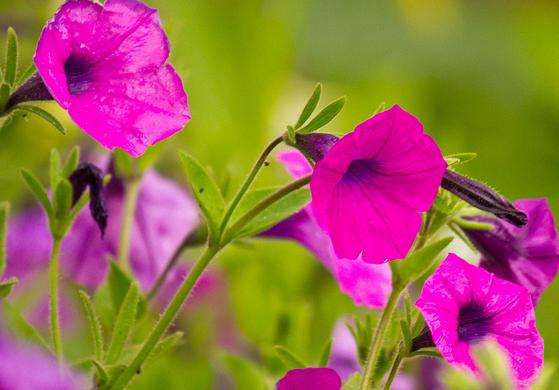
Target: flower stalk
127, 220
54, 307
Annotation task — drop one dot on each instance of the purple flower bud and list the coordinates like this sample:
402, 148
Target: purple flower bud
315, 145
32, 90
88, 175
482, 197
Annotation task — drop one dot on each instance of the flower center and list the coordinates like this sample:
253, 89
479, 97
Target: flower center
362, 170
79, 74
473, 323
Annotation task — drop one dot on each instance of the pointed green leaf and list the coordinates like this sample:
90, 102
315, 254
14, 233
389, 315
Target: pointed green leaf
288, 358
72, 162
459, 158
419, 262
94, 325
6, 287
277, 212
4, 96
11, 56
55, 168
4, 215
28, 72
17, 323
324, 117
43, 114
38, 190
325, 354
123, 324
102, 375
310, 106
163, 346
62, 198
119, 283
206, 192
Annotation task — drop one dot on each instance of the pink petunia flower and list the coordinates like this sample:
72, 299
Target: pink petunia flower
311, 378
527, 255
463, 304
370, 189
367, 284
106, 65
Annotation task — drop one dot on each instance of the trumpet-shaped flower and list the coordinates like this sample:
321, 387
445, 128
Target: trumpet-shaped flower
527, 255
366, 284
106, 65
463, 304
369, 190
311, 378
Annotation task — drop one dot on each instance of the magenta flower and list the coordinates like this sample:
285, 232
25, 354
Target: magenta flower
369, 190
84, 253
366, 284
463, 304
106, 65
527, 255
311, 378
23, 367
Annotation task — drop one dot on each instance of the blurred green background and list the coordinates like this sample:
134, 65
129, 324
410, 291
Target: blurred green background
481, 75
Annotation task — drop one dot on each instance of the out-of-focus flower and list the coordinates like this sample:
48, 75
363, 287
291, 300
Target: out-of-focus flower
463, 304
369, 190
366, 284
24, 367
527, 255
106, 65
155, 236
311, 378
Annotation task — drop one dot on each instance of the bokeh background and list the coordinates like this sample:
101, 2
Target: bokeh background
482, 76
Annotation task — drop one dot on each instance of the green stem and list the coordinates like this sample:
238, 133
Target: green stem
261, 206
248, 181
166, 318
394, 369
376, 342
127, 221
54, 311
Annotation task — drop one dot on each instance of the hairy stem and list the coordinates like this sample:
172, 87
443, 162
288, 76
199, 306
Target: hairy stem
248, 181
54, 310
394, 369
127, 220
378, 337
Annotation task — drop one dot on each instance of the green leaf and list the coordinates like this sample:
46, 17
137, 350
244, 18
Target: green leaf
459, 158
62, 199
472, 225
11, 56
163, 346
17, 323
28, 72
206, 192
245, 374
4, 215
325, 116
123, 324
94, 325
72, 162
102, 375
119, 283
6, 287
419, 262
310, 106
43, 114
353, 382
4, 96
325, 354
38, 190
55, 168
288, 358
275, 213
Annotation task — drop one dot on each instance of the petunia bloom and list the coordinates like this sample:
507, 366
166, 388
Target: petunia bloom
24, 367
463, 304
369, 190
312, 378
527, 255
155, 236
367, 284
106, 65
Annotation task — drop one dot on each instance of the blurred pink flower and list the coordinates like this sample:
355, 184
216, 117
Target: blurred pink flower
106, 65
369, 190
366, 284
311, 378
24, 367
463, 304
527, 255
